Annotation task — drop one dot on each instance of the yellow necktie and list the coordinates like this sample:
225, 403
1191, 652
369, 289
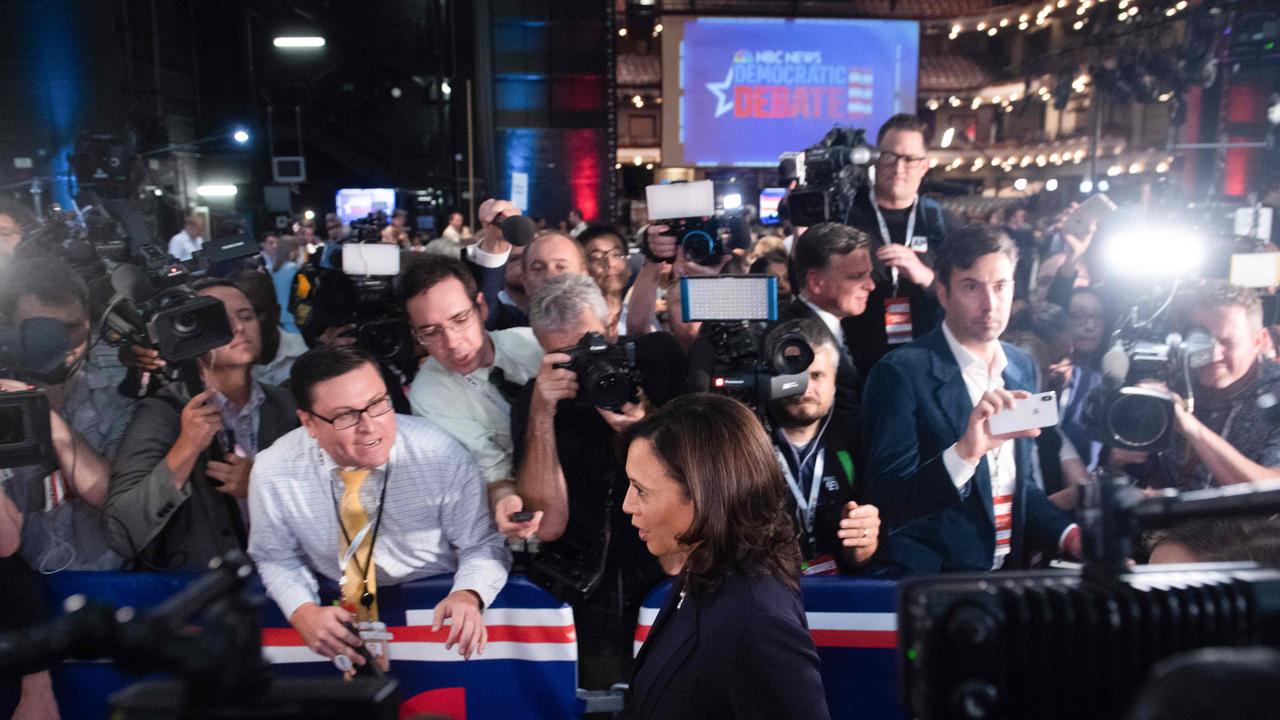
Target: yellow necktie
359, 581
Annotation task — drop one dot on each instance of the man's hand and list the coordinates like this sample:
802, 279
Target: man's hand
338, 335
1078, 246
860, 530
632, 413
200, 422
468, 631
322, 630
552, 385
908, 263
14, 386
502, 518
1073, 543
660, 245
233, 474
140, 357
1059, 375
977, 440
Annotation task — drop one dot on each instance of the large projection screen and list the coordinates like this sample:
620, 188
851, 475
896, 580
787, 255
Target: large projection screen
741, 91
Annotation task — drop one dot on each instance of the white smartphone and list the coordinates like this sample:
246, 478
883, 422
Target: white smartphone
680, 200
370, 259
1036, 411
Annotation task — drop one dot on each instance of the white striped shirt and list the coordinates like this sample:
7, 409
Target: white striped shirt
436, 519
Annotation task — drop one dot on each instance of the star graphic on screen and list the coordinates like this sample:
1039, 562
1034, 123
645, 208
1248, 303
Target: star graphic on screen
720, 90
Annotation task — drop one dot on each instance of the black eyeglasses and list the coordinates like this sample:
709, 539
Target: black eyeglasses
351, 418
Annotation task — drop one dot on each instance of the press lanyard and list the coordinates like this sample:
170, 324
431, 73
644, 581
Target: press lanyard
884, 231
808, 509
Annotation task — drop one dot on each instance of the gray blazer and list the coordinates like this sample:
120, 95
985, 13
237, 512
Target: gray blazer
152, 524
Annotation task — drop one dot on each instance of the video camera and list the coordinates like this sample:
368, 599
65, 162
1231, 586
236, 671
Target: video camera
737, 352
607, 374
368, 229
828, 175
155, 307
689, 211
361, 294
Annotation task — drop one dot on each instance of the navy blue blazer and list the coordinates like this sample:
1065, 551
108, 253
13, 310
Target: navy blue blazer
915, 407
743, 652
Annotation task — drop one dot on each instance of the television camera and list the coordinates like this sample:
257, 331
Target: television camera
739, 352
827, 176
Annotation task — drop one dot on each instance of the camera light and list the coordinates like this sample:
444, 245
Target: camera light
1155, 250
309, 215
295, 42
732, 201
216, 191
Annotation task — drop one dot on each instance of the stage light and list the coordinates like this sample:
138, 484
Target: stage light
1051, 184
982, 26
309, 215
731, 201
648, 166
1103, 185
992, 31
298, 42
1114, 170
1020, 184
638, 160
947, 136
622, 32
396, 92
216, 191
1086, 186
158, 192
446, 89
241, 136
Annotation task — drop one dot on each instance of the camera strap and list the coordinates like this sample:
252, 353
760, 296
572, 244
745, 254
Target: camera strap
808, 508
907, 238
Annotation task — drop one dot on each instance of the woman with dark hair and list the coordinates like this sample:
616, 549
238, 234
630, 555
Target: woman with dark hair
731, 641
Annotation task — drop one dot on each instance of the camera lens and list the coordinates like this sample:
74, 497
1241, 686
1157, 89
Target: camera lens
382, 339
1138, 420
788, 352
608, 388
698, 246
186, 324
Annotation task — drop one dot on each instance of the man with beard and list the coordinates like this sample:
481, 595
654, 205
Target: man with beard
820, 460
607, 265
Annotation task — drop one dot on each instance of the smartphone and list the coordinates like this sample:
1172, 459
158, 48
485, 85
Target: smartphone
1088, 213
1035, 411
522, 516
680, 200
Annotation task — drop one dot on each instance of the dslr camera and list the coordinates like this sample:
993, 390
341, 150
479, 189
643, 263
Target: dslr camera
828, 175
740, 352
607, 374
689, 211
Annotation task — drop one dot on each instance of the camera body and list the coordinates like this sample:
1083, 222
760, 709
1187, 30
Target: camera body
362, 293
172, 319
1126, 415
699, 238
607, 374
829, 175
751, 362
689, 212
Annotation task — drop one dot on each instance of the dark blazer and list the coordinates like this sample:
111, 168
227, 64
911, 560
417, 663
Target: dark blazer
154, 525
742, 652
848, 380
916, 406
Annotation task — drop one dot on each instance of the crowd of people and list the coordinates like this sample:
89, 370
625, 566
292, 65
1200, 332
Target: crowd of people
923, 326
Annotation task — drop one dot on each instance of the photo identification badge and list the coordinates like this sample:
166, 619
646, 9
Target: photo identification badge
919, 243
897, 320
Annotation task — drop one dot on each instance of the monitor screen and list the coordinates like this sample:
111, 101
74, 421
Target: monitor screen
741, 91
769, 200
355, 203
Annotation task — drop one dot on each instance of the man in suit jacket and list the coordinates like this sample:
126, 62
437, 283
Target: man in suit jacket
831, 271
954, 496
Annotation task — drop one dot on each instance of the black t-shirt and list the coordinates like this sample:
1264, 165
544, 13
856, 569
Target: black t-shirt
596, 481
865, 333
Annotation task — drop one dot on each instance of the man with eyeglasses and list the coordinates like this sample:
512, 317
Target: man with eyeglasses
906, 231
359, 498
470, 376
